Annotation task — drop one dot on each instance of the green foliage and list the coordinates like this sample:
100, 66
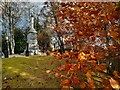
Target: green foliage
19, 41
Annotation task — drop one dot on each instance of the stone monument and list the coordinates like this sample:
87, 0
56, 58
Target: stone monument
32, 42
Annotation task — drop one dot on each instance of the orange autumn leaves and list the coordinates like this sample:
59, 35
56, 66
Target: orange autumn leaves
86, 21
81, 59
114, 84
71, 70
66, 82
75, 81
81, 84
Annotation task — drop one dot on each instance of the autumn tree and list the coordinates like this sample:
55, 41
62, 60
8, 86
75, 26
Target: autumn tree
95, 40
49, 12
44, 39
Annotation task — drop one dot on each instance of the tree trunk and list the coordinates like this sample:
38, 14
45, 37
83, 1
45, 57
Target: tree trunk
60, 42
6, 36
12, 37
12, 43
108, 58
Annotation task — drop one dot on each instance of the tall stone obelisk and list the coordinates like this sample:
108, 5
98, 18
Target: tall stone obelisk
33, 46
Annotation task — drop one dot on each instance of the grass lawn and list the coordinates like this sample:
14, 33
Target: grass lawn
30, 72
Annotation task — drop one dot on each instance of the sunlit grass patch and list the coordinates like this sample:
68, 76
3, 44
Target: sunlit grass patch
22, 72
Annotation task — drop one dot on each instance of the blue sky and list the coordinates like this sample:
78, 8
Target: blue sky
23, 22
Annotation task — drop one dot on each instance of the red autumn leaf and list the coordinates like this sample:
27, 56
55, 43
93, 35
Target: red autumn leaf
106, 83
82, 3
91, 83
61, 68
98, 23
76, 80
70, 80
65, 82
113, 34
106, 54
103, 40
65, 87
99, 56
105, 21
109, 17
94, 12
59, 14
112, 47
57, 28
104, 33
85, 69
75, 68
82, 85
93, 38
63, 4
115, 15
100, 67
93, 62
96, 33
68, 66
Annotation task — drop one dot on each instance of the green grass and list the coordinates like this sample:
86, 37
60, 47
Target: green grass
30, 72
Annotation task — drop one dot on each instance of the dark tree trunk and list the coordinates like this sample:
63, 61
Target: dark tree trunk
6, 49
60, 42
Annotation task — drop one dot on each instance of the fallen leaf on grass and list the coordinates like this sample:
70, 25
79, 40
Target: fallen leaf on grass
48, 71
23, 74
57, 74
61, 68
